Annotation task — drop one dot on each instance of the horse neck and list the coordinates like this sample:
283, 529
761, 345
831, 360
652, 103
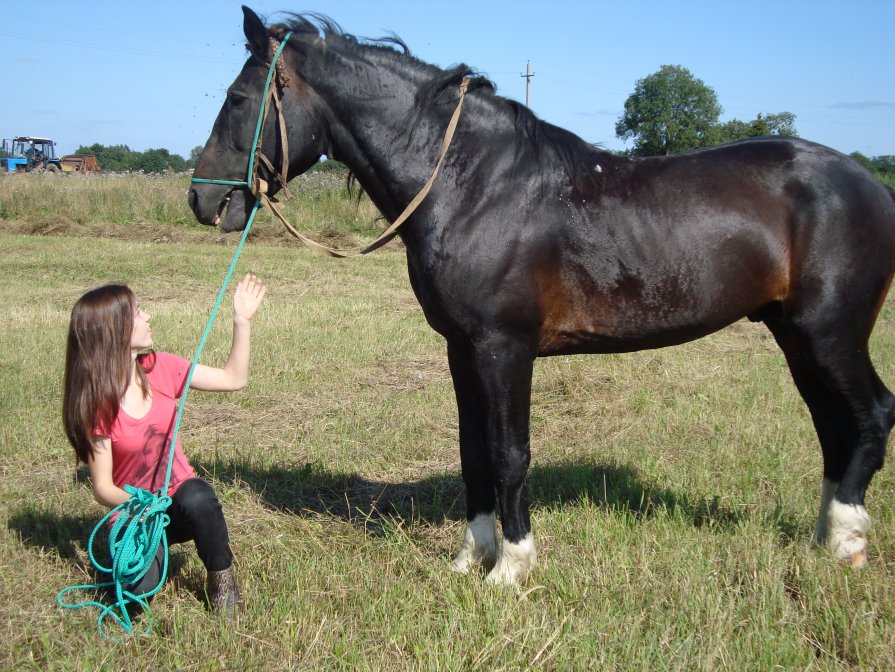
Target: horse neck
391, 152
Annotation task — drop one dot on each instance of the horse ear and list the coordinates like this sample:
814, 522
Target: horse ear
255, 32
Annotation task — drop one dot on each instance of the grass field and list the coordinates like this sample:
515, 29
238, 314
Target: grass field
674, 491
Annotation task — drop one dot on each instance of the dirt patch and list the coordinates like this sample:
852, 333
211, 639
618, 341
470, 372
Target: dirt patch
263, 233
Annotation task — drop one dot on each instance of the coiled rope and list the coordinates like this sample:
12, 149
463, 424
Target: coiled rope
140, 522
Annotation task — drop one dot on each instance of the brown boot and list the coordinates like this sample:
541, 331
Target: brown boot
223, 593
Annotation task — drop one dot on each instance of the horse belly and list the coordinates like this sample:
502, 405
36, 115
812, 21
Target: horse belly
652, 309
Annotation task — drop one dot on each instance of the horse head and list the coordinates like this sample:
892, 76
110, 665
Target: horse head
292, 137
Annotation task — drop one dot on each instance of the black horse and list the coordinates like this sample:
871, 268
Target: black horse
533, 242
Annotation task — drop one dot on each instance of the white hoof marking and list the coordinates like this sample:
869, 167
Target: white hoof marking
479, 543
515, 562
827, 490
847, 529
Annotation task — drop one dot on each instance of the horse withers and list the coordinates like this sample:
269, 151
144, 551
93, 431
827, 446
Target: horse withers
532, 243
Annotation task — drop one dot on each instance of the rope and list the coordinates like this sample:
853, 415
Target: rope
140, 522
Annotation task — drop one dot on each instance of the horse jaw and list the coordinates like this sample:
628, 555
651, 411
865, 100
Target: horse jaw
234, 215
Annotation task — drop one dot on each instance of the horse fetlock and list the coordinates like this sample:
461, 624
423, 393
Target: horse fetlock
828, 490
847, 528
479, 545
514, 563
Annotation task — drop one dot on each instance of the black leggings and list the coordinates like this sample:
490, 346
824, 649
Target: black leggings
195, 514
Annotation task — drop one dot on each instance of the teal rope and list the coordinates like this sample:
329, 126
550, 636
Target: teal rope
140, 522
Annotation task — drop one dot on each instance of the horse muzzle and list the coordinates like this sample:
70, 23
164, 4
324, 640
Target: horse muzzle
224, 206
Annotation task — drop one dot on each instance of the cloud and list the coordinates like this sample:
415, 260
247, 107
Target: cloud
863, 105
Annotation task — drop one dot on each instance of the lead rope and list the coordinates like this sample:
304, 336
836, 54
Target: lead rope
140, 522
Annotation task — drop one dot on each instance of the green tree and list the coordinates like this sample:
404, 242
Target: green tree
195, 153
881, 166
670, 111
121, 158
782, 123
114, 159
161, 161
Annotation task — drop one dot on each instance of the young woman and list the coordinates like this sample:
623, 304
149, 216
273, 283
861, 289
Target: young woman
119, 407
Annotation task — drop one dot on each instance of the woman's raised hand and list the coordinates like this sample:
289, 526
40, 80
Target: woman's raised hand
248, 296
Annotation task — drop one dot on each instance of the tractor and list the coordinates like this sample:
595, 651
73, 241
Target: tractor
26, 153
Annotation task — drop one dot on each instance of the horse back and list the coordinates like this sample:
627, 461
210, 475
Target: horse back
659, 251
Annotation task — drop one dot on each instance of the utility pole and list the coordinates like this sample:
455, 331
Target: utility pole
528, 75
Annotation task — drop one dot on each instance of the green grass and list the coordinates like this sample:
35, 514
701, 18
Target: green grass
673, 491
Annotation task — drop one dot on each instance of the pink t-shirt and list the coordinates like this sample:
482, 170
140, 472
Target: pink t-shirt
140, 447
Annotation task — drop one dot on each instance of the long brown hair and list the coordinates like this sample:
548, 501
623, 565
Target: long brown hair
98, 364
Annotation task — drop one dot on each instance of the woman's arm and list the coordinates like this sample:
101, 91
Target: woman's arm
235, 374
104, 490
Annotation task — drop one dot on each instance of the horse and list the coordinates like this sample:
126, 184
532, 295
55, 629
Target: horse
534, 243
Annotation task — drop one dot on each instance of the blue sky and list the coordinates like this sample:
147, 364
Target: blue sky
152, 74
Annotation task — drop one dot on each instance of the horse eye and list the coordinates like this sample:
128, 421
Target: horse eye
236, 98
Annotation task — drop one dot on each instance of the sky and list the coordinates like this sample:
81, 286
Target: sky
152, 75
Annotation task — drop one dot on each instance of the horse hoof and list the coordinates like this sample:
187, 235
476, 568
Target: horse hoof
462, 563
479, 543
501, 578
514, 564
847, 532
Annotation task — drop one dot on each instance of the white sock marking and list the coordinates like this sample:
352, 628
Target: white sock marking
479, 543
827, 490
847, 529
515, 562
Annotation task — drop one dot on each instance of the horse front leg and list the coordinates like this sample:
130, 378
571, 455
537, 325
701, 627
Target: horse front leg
479, 545
503, 371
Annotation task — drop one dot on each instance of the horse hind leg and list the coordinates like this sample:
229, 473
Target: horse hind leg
853, 413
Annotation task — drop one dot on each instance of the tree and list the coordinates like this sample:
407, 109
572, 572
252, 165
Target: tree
121, 158
782, 123
881, 166
195, 153
670, 111
113, 159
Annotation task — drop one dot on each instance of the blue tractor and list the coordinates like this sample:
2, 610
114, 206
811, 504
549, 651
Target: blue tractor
26, 154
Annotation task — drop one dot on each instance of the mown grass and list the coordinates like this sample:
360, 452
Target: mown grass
673, 491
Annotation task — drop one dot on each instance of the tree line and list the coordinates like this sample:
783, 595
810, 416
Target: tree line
122, 159
671, 111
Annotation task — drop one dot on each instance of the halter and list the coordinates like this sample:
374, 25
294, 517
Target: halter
262, 116
258, 187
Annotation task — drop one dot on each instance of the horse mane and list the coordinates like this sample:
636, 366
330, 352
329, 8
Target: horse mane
577, 157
